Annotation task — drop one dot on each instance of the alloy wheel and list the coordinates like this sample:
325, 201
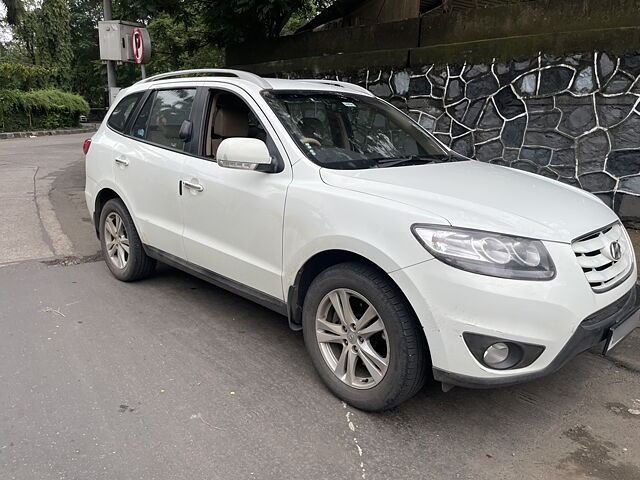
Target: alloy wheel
352, 338
116, 240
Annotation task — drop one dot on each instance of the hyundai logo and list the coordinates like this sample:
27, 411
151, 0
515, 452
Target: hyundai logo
615, 250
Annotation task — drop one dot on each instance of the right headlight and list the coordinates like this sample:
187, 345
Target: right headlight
487, 253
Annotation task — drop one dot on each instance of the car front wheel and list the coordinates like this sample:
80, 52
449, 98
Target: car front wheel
363, 337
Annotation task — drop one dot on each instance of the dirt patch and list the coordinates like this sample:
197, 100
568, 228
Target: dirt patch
71, 260
624, 411
593, 457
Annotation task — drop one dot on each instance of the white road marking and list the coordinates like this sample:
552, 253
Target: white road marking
352, 427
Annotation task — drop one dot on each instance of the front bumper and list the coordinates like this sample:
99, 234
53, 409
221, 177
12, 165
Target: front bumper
592, 331
563, 315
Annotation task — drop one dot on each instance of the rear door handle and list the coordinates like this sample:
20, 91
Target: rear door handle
193, 186
122, 161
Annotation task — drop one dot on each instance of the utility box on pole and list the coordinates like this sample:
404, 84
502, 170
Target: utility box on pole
122, 41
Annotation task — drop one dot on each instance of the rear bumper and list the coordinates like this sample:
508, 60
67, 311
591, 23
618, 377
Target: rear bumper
592, 331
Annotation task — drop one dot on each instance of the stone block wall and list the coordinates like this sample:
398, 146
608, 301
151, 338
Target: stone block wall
573, 118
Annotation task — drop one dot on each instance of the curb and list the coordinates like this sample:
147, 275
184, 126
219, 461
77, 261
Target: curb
45, 133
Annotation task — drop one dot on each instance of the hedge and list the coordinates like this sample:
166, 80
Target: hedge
40, 110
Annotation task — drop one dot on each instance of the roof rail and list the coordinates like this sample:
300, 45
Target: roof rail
222, 72
351, 86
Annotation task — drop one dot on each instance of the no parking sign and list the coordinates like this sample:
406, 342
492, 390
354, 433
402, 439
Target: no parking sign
141, 45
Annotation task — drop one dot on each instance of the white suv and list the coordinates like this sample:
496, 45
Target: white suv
398, 258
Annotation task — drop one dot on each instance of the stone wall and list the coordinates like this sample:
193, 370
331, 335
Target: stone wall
573, 118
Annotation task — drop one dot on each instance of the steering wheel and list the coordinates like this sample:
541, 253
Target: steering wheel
311, 140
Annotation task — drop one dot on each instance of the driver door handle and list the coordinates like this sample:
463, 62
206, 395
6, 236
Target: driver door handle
122, 161
192, 186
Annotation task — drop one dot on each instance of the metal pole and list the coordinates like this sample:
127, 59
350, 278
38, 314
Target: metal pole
143, 70
111, 71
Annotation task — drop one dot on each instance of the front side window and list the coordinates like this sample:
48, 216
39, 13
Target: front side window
162, 115
352, 131
121, 112
229, 117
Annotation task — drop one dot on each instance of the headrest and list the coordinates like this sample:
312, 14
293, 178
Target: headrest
231, 123
311, 127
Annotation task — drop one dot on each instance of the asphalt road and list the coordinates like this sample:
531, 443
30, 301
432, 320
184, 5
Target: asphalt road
173, 378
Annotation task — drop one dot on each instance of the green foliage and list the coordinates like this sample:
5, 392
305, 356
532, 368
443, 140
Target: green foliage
25, 34
301, 17
234, 21
40, 109
62, 35
178, 45
25, 77
15, 9
53, 39
223, 22
88, 75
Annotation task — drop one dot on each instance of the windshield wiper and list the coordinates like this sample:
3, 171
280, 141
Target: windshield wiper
413, 159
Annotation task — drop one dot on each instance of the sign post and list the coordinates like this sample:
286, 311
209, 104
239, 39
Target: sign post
141, 45
121, 42
111, 71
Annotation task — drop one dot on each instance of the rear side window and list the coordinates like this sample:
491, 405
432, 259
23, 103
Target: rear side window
120, 115
161, 117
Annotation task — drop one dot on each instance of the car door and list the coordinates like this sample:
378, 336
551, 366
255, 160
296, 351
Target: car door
148, 165
233, 219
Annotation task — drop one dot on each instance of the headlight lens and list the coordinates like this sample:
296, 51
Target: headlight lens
487, 253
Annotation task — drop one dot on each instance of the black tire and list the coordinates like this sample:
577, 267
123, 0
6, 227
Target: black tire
138, 265
408, 356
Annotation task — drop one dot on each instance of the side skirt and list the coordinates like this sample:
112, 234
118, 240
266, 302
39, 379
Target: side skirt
218, 280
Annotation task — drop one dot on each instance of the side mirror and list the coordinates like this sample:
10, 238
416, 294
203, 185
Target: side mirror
186, 129
244, 154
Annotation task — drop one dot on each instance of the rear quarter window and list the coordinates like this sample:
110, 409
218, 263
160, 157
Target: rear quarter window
118, 118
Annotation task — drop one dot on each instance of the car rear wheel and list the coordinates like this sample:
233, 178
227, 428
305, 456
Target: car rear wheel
363, 337
121, 246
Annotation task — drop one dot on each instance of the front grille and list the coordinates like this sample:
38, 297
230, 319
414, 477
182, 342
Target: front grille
594, 255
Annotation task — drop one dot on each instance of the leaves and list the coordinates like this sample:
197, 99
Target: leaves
40, 109
53, 39
15, 9
62, 36
25, 77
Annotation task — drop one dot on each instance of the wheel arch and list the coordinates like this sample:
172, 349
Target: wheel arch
315, 265
102, 197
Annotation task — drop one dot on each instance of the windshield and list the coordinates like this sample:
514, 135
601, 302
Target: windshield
353, 132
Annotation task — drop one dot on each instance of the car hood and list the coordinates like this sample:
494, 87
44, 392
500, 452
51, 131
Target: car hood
477, 195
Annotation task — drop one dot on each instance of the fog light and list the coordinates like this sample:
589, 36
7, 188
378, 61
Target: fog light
496, 354
500, 353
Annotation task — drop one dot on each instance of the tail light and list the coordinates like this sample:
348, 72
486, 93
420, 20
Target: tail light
86, 145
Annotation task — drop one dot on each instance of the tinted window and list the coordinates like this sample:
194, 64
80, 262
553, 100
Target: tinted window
118, 118
351, 132
139, 128
161, 117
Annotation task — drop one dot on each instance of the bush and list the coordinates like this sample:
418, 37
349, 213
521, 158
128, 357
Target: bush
40, 110
26, 77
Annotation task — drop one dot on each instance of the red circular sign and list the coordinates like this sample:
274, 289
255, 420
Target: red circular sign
137, 44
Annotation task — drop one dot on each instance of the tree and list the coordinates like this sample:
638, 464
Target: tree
15, 9
87, 71
223, 22
53, 39
247, 20
63, 34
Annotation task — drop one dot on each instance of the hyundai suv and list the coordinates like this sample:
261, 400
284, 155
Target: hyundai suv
399, 259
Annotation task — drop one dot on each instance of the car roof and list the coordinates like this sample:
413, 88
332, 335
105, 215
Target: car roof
247, 80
